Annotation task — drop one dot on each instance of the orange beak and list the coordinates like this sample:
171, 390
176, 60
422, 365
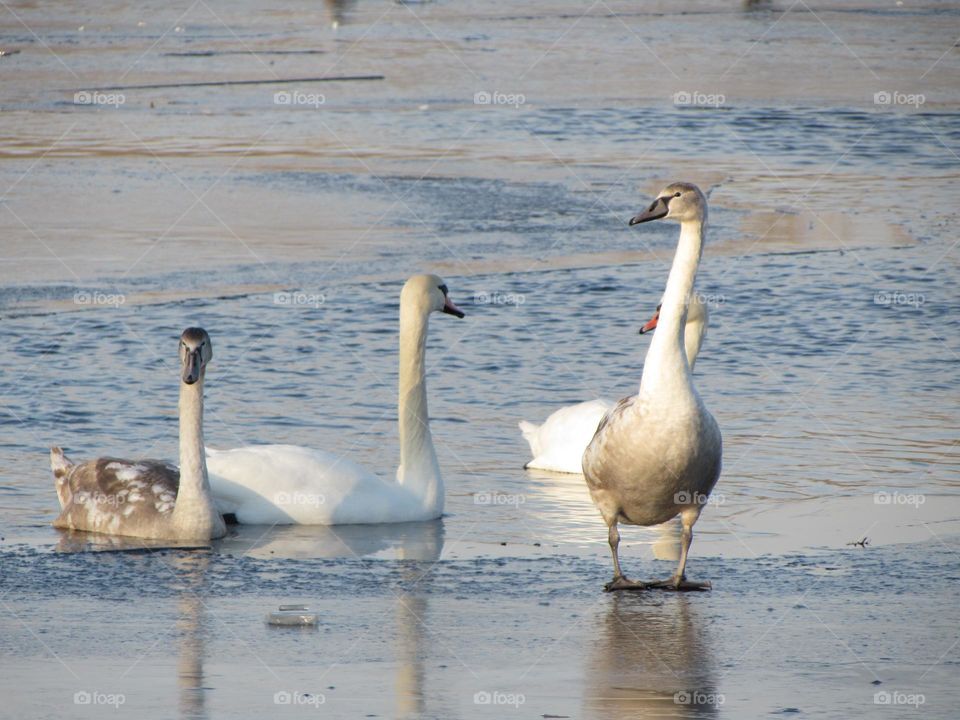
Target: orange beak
652, 323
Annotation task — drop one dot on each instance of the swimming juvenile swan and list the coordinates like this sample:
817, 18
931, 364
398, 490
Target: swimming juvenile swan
558, 444
148, 498
657, 454
286, 484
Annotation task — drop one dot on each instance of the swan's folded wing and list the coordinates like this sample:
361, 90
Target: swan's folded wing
106, 492
287, 484
565, 435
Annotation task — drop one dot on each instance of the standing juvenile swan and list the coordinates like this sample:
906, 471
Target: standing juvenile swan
558, 443
286, 484
147, 498
657, 454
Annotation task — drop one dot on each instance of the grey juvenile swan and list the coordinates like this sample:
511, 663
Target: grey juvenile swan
148, 498
657, 454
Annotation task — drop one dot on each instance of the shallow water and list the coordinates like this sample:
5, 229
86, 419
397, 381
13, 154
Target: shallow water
830, 363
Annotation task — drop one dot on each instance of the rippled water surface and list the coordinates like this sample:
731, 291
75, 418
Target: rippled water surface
287, 231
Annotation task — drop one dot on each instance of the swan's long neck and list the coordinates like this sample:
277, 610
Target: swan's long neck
666, 367
419, 471
194, 514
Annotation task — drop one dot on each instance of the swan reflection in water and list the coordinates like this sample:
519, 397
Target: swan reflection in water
393, 541
187, 571
338, 11
412, 611
652, 658
419, 543
190, 570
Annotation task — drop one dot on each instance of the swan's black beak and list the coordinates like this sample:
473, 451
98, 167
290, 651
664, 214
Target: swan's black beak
658, 209
192, 366
450, 309
652, 322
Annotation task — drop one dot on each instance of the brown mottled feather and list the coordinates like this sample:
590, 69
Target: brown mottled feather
95, 494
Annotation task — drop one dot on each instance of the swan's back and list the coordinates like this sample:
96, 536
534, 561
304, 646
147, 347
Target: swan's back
287, 484
559, 442
113, 496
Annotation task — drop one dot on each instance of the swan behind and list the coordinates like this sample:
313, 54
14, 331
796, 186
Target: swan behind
148, 498
558, 444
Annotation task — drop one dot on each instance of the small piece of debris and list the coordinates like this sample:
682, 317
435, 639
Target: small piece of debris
860, 543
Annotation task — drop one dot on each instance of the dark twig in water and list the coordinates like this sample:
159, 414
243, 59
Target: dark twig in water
860, 543
220, 83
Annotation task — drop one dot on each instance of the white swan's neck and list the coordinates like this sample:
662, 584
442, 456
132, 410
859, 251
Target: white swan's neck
419, 471
666, 366
194, 514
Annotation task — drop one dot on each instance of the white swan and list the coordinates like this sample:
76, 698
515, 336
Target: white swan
558, 443
148, 498
658, 453
286, 484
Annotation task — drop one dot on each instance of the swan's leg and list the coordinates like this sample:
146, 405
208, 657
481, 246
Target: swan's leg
619, 582
679, 580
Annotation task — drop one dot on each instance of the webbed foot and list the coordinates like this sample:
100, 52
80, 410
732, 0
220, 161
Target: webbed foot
680, 584
620, 582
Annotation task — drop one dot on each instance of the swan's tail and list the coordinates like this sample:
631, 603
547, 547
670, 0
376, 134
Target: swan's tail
531, 435
60, 465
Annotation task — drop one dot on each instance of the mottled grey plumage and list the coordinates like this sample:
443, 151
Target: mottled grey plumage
98, 495
148, 498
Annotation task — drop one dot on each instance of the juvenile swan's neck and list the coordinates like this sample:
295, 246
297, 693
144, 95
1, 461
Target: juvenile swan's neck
194, 515
666, 366
418, 471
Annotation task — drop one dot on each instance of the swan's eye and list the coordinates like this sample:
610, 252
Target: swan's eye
676, 194
443, 289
